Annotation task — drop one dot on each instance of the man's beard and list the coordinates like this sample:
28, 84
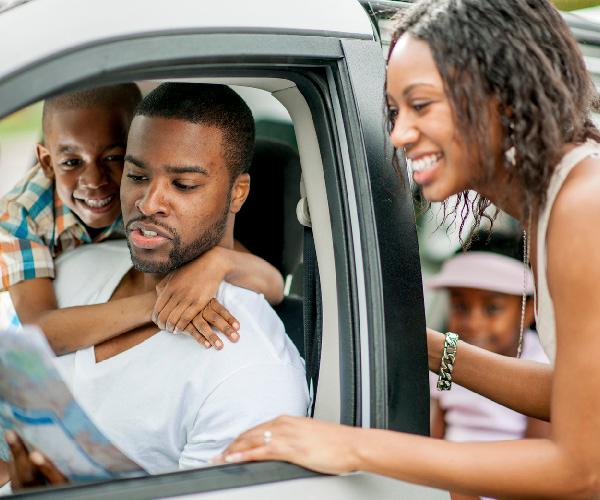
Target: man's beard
181, 255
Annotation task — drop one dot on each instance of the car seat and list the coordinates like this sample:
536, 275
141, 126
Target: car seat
267, 225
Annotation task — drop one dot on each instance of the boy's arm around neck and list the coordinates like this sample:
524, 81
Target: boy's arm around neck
184, 293
253, 272
74, 328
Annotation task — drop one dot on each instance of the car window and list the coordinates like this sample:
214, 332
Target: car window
342, 182
274, 132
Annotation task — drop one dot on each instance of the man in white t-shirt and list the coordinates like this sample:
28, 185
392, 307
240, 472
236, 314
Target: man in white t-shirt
163, 399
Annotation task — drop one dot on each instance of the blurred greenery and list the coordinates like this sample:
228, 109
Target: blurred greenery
27, 120
575, 4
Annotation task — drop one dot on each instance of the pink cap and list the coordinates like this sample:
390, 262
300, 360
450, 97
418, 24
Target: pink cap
484, 270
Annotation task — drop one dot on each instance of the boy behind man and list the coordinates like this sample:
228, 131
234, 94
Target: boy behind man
163, 402
71, 197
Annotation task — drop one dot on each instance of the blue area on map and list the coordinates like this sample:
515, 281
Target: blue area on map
34, 418
77, 421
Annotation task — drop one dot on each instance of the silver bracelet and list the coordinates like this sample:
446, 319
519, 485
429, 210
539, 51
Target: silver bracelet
444, 382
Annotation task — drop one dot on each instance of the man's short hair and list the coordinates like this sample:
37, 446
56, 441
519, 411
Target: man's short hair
125, 96
211, 105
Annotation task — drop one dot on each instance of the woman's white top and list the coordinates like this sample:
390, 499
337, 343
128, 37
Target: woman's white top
546, 325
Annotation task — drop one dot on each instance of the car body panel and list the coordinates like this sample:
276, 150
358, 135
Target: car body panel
236, 481
39, 29
358, 486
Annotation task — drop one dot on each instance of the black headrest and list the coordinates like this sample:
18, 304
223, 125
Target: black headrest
267, 225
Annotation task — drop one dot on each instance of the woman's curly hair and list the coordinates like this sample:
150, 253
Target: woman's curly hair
521, 54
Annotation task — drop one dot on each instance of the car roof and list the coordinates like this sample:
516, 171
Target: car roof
39, 29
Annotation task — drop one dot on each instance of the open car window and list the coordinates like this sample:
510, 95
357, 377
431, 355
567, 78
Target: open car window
323, 80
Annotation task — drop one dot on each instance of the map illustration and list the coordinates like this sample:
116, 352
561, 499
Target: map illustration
37, 404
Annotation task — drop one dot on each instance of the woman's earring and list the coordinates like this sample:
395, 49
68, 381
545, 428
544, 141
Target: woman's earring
510, 156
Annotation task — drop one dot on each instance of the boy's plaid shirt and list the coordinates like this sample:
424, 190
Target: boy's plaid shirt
35, 226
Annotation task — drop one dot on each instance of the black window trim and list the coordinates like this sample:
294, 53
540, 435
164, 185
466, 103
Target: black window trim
175, 483
396, 316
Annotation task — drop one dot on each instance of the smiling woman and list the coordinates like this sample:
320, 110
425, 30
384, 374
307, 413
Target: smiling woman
424, 111
507, 116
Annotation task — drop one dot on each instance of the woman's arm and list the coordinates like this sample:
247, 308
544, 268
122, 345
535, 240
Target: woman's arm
520, 469
537, 429
524, 386
514, 469
566, 465
438, 423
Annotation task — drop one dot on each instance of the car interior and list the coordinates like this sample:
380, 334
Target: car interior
286, 156
268, 224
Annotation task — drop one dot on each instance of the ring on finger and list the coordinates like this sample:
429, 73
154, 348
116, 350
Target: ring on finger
267, 437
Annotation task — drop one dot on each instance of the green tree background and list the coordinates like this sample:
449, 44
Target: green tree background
575, 4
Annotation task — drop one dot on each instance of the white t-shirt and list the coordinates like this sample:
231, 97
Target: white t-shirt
168, 402
472, 417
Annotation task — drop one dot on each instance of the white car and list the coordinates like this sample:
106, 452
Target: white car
312, 70
341, 221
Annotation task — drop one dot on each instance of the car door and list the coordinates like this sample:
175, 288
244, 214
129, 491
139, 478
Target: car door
328, 71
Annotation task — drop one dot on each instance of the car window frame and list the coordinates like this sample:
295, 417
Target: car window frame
156, 57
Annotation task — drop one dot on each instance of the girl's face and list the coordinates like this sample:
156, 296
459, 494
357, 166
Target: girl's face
490, 320
423, 123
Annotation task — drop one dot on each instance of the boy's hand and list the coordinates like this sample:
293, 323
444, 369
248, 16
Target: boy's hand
185, 301
30, 469
212, 314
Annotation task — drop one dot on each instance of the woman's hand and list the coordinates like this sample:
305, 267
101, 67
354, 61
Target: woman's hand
30, 469
316, 445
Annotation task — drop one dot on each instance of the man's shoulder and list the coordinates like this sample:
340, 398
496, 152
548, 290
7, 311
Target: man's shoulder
251, 309
263, 339
244, 296
89, 274
102, 255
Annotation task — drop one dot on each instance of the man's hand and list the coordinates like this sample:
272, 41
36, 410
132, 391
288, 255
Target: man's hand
30, 469
186, 301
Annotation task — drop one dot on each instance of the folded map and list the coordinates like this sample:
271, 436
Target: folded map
37, 404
